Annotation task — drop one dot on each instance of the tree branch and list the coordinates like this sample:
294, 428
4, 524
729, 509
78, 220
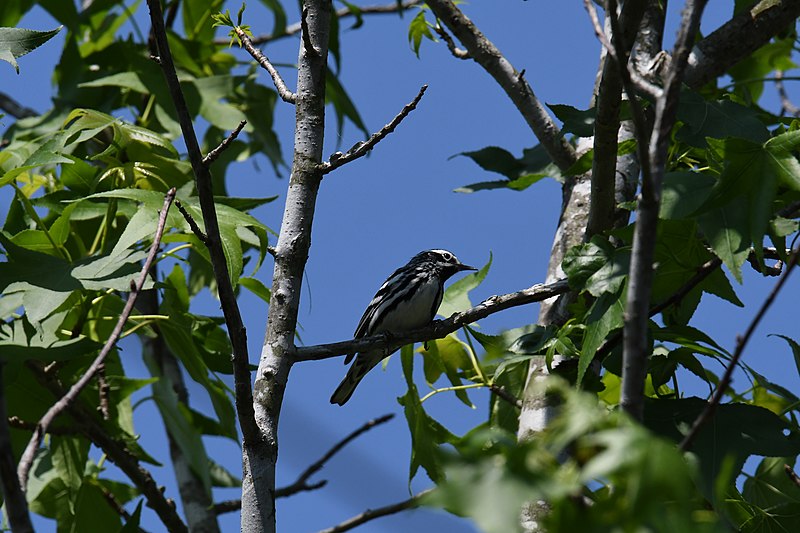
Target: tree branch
741, 342
283, 91
233, 318
635, 354
372, 514
739, 37
216, 152
792, 475
345, 12
291, 254
13, 496
363, 148
14, 108
119, 455
57, 408
602, 205
301, 483
486, 54
436, 330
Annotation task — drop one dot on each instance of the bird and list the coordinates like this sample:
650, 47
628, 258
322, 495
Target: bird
408, 299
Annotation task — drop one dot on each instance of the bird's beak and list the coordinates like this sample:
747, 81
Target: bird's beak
462, 266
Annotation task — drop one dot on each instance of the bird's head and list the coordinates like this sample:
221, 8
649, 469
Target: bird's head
444, 262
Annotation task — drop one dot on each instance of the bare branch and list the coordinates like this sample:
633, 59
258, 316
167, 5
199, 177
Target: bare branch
458, 53
291, 255
741, 342
301, 483
233, 318
13, 496
363, 148
119, 454
14, 108
216, 152
486, 54
436, 330
635, 348
283, 91
372, 514
192, 223
615, 76
345, 12
739, 37
26, 461
502, 393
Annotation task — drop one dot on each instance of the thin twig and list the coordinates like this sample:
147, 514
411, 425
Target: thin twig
344, 12
283, 91
26, 461
230, 308
502, 393
362, 148
17, 423
372, 514
458, 53
192, 222
14, 108
642, 85
438, 329
792, 474
216, 152
301, 484
118, 453
741, 342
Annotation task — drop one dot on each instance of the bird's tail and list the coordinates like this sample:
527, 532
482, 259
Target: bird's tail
363, 364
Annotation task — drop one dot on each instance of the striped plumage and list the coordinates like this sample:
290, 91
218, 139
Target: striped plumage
408, 299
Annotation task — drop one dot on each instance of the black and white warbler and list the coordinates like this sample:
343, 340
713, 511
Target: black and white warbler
408, 299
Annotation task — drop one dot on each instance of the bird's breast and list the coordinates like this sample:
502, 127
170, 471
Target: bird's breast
416, 311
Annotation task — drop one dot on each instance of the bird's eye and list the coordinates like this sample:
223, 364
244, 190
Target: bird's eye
447, 256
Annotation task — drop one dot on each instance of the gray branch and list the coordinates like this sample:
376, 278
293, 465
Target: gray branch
230, 309
26, 461
635, 350
739, 37
283, 91
363, 148
436, 330
372, 514
486, 54
291, 254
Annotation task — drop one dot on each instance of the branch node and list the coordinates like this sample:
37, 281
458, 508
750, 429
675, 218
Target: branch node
192, 223
280, 85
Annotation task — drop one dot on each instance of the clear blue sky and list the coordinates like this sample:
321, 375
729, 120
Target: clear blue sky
372, 215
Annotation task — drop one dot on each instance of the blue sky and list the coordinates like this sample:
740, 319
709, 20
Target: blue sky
372, 215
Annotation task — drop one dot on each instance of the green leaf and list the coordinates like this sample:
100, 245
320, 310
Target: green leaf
132, 525
220, 477
426, 433
718, 120
343, 106
684, 193
69, 456
448, 356
576, 121
417, 29
795, 349
257, 287
727, 231
605, 315
16, 42
456, 297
